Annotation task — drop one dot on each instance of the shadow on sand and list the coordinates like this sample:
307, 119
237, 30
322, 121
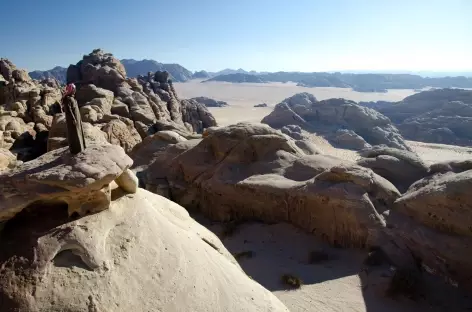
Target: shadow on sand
338, 280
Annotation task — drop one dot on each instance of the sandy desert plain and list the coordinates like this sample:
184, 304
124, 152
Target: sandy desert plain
342, 282
242, 97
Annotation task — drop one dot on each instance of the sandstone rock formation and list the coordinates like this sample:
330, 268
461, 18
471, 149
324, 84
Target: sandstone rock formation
7, 159
144, 100
253, 172
209, 102
350, 140
328, 116
82, 181
26, 107
145, 253
122, 110
400, 167
261, 105
293, 131
437, 116
449, 124
431, 222
250, 171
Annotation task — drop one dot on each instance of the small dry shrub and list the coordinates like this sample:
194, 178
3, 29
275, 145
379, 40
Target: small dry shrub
291, 281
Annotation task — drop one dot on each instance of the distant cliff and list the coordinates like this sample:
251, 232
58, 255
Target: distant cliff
237, 78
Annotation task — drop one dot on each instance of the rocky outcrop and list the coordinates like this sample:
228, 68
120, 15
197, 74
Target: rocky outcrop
26, 109
196, 116
58, 133
7, 159
328, 116
449, 124
209, 102
250, 171
431, 223
82, 181
144, 100
124, 109
350, 140
436, 116
293, 131
120, 131
115, 258
400, 167
261, 105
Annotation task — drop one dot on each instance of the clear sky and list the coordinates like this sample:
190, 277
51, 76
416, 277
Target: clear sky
262, 35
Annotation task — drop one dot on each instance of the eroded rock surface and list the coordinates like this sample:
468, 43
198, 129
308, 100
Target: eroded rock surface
431, 222
124, 109
400, 167
328, 116
145, 253
251, 171
435, 116
82, 181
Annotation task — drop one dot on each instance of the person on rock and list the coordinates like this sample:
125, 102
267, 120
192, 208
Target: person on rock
75, 133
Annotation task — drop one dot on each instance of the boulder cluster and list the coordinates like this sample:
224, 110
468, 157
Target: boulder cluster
436, 116
389, 199
114, 108
344, 123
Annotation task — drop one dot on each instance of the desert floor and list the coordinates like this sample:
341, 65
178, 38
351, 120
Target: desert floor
341, 283
242, 97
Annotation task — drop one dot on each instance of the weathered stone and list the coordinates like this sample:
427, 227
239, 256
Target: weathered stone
121, 254
328, 116
121, 134
248, 171
400, 167
81, 180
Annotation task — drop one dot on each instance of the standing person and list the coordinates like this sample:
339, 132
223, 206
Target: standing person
75, 132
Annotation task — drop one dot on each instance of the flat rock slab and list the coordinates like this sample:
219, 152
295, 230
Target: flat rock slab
82, 180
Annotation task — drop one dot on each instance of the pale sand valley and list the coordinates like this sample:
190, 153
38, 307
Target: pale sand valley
219, 196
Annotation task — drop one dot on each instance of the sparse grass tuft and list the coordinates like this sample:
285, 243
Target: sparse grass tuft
291, 281
244, 254
319, 256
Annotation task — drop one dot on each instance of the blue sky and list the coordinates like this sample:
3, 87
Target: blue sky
263, 35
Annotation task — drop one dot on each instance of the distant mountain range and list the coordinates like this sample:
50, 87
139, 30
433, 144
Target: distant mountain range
133, 69
237, 78
58, 72
357, 80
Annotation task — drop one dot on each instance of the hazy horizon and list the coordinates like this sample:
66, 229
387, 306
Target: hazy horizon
264, 35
